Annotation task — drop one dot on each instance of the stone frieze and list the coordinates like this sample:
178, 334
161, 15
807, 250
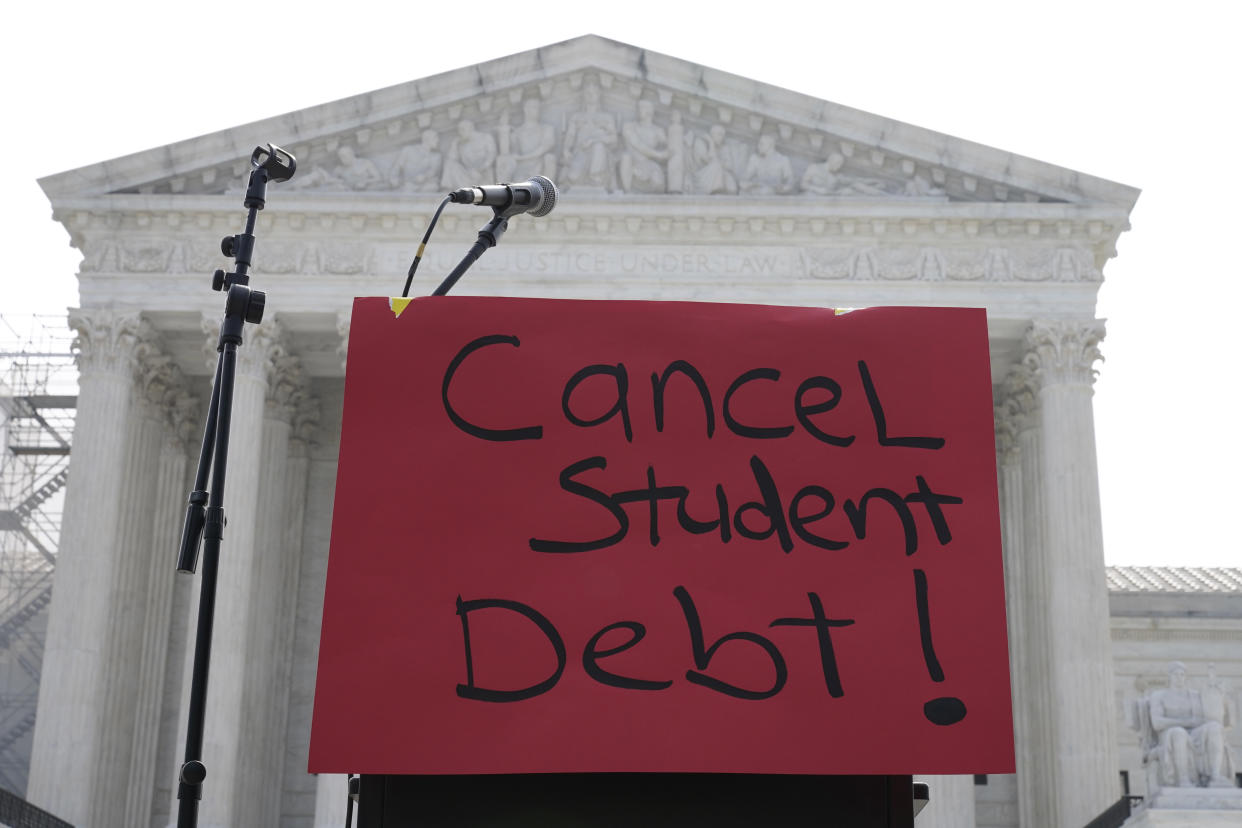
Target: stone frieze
594, 136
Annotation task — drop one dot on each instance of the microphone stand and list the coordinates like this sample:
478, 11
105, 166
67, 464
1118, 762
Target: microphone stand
538, 196
204, 518
489, 236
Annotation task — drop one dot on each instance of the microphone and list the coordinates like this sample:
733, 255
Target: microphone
536, 196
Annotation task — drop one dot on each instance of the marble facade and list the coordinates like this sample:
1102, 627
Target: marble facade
678, 182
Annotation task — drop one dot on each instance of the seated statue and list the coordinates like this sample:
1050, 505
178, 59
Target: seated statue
646, 146
1182, 734
529, 149
823, 178
768, 172
590, 137
710, 174
417, 168
356, 173
470, 158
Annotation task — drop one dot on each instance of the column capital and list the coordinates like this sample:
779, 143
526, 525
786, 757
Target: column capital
158, 377
161, 385
284, 385
1064, 351
183, 416
1019, 396
106, 339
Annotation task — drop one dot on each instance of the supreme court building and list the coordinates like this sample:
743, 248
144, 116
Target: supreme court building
677, 182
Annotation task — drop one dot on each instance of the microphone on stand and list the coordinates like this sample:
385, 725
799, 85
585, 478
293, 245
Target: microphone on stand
536, 196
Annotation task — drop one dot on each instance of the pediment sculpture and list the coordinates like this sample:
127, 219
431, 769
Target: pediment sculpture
1182, 732
637, 140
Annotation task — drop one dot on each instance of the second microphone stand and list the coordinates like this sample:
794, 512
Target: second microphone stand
204, 519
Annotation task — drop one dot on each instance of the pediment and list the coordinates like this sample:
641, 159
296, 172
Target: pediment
602, 119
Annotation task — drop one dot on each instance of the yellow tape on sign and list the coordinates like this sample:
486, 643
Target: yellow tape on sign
397, 304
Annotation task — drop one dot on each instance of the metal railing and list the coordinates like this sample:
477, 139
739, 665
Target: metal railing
16, 812
1114, 815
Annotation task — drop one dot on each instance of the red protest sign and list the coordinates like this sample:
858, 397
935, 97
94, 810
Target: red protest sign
654, 536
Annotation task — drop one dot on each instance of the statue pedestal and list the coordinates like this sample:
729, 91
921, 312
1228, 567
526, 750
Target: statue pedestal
1190, 808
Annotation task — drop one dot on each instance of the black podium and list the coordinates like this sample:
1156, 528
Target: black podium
629, 800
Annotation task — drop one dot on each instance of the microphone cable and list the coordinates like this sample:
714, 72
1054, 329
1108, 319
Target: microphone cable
423, 246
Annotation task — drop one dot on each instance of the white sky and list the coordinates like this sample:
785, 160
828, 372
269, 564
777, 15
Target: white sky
1142, 93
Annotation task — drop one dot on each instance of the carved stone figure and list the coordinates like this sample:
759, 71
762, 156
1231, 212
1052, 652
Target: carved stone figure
825, 178
677, 140
351, 173
470, 159
417, 168
710, 174
646, 146
590, 137
919, 186
1182, 733
317, 177
822, 178
1217, 706
356, 173
768, 172
531, 146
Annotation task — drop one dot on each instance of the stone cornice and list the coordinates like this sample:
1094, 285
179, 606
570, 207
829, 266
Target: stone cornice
968, 248
76, 210
153, 226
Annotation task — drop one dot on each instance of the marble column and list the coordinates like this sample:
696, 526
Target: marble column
72, 740
184, 436
187, 589
1084, 759
1026, 588
168, 400
951, 799
273, 588
119, 705
343, 320
951, 802
1009, 488
329, 789
129, 595
332, 800
228, 744
298, 785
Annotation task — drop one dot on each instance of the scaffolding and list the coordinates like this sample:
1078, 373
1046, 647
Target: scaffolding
38, 397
